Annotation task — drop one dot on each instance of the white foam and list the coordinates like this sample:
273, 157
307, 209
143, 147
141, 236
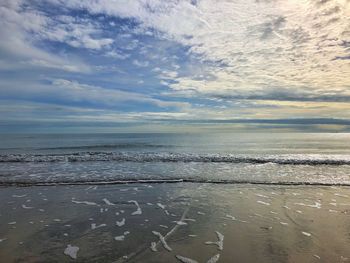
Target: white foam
316, 205
107, 201
306, 233
214, 259
27, 207
162, 240
219, 243
317, 256
119, 238
262, 202
2, 239
260, 195
154, 246
231, 217
71, 251
84, 202
12, 223
161, 206
94, 226
138, 210
18, 196
284, 223
180, 223
120, 223
185, 260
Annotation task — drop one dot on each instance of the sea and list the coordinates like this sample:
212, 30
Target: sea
231, 158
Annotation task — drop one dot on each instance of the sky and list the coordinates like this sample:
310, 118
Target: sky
174, 66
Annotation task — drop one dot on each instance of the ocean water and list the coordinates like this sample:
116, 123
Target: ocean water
274, 158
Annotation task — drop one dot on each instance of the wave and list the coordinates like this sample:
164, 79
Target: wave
290, 159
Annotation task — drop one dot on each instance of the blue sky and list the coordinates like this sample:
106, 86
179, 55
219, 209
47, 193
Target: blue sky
98, 65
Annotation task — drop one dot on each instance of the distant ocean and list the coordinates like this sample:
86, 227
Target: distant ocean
274, 158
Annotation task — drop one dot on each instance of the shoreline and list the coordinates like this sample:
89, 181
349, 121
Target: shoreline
163, 181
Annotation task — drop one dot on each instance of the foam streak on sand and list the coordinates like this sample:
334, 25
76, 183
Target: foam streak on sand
154, 246
185, 260
262, 202
107, 201
83, 202
162, 240
214, 259
180, 223
138, 210
120, 223
71, 251
306, 234
219, 243
122, 237
119, 238
316, 205
27, 207
172, 230
161, 206
94, 226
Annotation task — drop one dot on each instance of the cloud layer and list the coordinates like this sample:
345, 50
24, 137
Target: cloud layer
153, 60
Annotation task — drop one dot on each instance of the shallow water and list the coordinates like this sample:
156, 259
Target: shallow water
234, 158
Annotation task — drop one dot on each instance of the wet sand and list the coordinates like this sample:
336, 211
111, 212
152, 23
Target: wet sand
175, 222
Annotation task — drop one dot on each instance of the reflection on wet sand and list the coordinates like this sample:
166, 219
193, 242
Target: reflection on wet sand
180, 222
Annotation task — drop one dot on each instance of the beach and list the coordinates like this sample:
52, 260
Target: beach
175, 198
180, 131
175, 222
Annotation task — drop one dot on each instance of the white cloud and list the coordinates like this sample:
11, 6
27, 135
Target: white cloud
73, 91
116, 54
16, 29
79, 33
249, 46
139, 63
256, 59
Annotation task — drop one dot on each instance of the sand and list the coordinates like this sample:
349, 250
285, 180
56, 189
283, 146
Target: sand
175, 222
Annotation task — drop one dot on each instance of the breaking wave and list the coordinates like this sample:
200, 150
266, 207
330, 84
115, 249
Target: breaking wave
290, 159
